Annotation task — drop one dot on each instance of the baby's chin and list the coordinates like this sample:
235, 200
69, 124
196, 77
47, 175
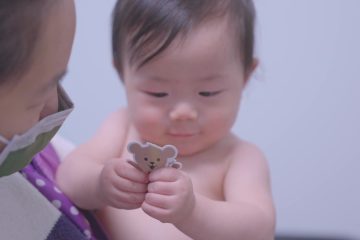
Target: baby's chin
189, 151
195, 148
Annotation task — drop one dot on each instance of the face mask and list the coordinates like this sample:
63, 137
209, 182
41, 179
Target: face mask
21, 148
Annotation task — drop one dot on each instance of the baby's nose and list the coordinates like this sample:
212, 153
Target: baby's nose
183, 111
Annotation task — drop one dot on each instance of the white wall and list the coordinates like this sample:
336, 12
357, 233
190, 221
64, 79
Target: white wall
302, 107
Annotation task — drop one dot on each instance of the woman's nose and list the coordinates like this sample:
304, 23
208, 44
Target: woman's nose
183, 111
51, 105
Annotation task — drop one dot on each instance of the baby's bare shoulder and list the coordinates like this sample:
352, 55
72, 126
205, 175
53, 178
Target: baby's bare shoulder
245, 152
247, 165
109, 138
115, 123
120, 114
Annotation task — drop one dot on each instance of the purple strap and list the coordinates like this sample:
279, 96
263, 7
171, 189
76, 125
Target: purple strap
41, 174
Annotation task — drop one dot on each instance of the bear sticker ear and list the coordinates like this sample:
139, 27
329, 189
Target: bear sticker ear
134, 147
176, 165
169, 151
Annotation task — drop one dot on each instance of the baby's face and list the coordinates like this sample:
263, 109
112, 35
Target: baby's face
189, 95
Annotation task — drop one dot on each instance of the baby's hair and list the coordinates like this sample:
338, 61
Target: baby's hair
145, 28
20, 26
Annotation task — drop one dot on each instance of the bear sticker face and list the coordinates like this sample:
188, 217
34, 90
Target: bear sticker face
149, 157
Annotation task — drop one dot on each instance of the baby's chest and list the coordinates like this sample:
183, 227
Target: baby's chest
208, 182
137, 225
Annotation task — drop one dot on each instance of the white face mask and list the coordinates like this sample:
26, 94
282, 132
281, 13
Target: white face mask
21, 148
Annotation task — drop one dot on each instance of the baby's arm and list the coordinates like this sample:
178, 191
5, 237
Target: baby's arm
93, 175
246, 213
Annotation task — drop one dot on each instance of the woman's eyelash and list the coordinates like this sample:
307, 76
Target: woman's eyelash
209, 94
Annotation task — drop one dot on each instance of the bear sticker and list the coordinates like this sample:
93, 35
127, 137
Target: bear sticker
149, 156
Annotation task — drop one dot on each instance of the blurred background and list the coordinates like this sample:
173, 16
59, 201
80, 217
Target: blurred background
301, 108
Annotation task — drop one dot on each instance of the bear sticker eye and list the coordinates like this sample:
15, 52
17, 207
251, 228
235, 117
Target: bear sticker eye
145, 158
158, 159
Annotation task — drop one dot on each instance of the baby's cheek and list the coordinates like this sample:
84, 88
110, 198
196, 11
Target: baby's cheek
149, 117
225, 116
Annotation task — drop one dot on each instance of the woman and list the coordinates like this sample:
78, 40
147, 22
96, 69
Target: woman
35, 44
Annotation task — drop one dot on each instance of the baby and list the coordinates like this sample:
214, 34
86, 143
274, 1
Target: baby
184, 65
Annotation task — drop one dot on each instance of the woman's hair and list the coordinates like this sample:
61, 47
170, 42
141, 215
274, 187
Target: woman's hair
20, 25
145, 28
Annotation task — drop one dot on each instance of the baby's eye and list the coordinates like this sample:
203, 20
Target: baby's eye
145, 158
158, 94
158, 159
209, 94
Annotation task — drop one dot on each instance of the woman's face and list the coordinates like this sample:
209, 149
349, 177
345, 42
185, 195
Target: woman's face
34, 95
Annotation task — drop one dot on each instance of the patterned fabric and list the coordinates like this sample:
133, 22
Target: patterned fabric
41, 174
25, 214
64, 230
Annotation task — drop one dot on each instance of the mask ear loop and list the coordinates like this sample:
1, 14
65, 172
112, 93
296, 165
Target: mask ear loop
3, 140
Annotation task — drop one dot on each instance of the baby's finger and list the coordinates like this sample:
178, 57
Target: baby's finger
164, 188
125, 170
125, 205
125, 185
158, 200
134, 164
166, 174
125, 200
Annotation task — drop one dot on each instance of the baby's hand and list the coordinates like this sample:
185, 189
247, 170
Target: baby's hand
121, 185
170, 196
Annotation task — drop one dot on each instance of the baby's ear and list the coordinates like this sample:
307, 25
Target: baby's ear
134, 147
251, 69
169, 151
